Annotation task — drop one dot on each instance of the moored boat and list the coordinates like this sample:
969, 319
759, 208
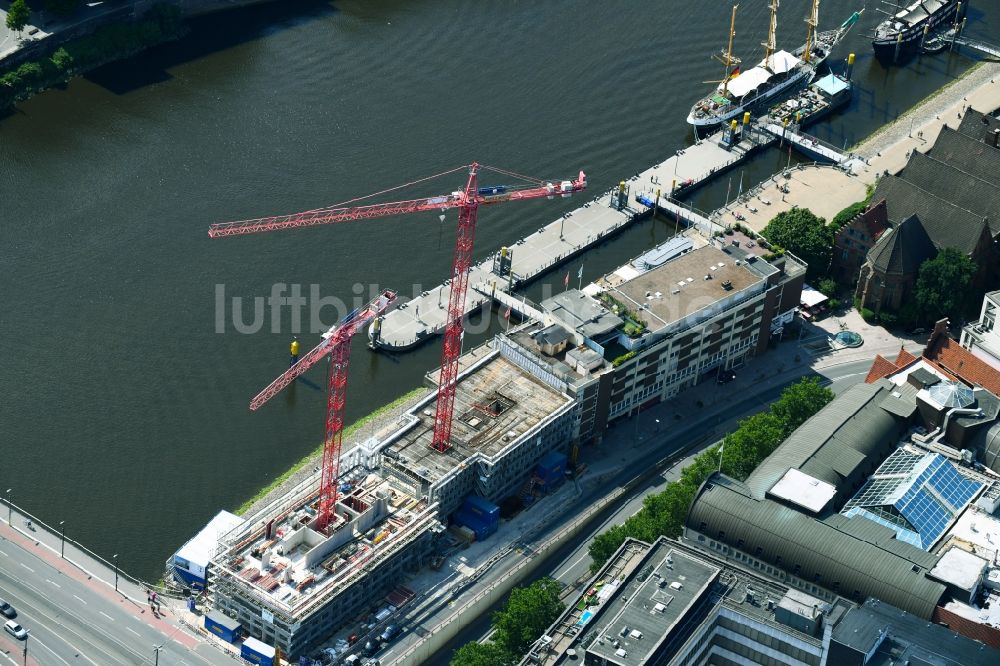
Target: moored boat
779, 74
903, 32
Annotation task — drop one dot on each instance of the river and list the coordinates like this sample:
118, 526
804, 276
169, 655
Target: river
124, 385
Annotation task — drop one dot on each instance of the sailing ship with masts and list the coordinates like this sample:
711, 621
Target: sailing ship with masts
779, 74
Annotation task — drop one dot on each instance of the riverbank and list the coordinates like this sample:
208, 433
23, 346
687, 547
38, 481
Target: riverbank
112, 41
353, 435
68, 48
888, 149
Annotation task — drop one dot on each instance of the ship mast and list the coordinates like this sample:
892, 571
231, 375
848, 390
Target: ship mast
812, 22
728, 60
769, 45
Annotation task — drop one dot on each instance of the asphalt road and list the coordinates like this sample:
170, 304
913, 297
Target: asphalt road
572, 561
74, 620
839, 378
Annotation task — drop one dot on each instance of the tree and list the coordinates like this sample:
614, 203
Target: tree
664, 513
528, 613
481, 654
62, 59
800, 401
848, 214
827, 287
943, 284
803, 234
18, 15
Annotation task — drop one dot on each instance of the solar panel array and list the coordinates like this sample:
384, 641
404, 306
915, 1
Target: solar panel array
918, 496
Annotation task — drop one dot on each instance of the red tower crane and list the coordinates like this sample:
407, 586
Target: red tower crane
336, 345
468, 202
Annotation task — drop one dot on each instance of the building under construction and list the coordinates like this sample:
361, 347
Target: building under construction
506, 420
292, 585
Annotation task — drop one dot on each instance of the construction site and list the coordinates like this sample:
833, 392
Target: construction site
311, 560
501, 430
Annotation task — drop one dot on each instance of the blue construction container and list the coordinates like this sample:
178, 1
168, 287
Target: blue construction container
223, 626
257, 652
481, 528
551, 470
485, 510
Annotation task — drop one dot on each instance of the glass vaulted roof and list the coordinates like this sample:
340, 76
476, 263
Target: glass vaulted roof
952, 394
916, 495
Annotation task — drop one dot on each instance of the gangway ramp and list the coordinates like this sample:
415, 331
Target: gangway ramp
521, 305
982, 47
810, 145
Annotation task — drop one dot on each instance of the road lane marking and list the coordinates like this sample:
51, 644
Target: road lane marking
4, 554
80, 599
106, 615
134, 631
34, 639
26, 567
54, 583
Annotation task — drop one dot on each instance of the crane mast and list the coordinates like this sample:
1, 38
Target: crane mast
448, 381
336, 344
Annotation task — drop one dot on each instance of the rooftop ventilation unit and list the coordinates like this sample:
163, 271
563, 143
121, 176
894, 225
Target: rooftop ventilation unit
727, 285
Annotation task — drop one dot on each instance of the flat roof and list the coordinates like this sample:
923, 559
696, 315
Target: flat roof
907, 637
496, 403
582, 313
959, 568
644, 612
832, 84
977, 528
679, 288
803, 490
200, 548
624, 584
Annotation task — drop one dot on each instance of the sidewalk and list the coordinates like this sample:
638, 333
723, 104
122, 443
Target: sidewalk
918, 129
101, 578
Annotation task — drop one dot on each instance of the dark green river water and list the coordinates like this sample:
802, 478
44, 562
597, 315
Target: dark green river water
124, 385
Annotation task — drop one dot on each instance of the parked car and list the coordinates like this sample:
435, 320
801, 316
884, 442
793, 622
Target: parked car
389, 633
7, 609
15, 630
726, 376
371, 647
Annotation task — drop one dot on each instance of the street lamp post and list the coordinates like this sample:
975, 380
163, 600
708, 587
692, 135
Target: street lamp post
62, 539
156, 654
10, 507
114, 558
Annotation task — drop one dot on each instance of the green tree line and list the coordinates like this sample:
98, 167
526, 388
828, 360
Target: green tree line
757, 436
107, 43
527, 614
